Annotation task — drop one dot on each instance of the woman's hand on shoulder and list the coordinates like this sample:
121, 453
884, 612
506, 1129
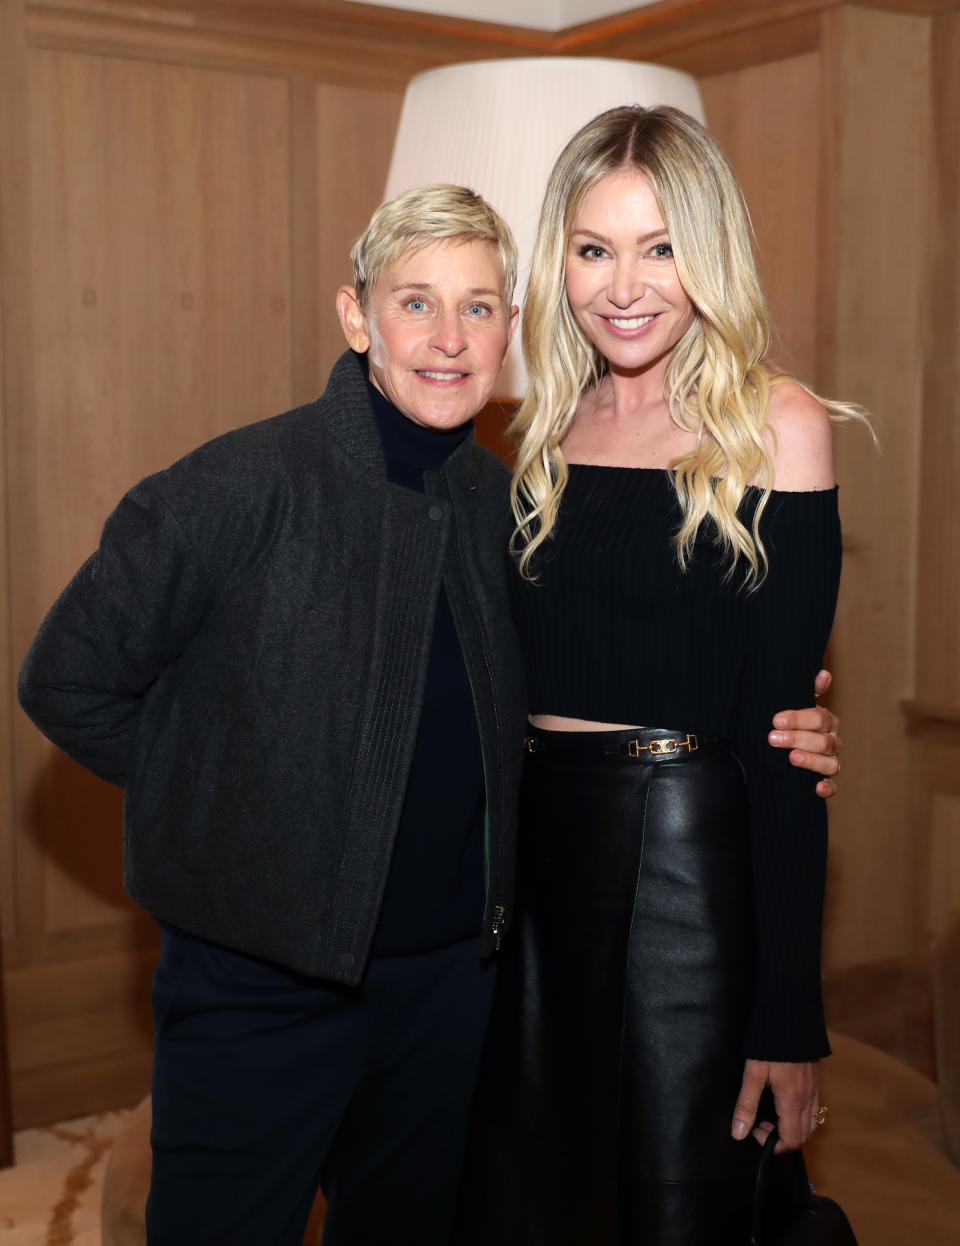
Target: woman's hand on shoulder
799, 439
796, 1090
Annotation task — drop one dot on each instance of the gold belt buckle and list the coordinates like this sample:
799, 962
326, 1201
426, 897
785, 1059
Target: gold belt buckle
664, 746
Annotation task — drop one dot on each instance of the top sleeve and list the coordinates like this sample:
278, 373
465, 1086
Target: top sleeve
791, 614
126, 615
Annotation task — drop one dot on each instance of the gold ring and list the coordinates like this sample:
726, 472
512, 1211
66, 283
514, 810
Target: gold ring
820, 1115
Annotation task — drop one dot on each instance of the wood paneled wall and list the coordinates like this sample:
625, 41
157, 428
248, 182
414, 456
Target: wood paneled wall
174, 234
179, 186
765, 117
879, 126
934, 710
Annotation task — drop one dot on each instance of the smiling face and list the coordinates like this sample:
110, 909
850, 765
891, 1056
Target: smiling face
621, 281
436, 326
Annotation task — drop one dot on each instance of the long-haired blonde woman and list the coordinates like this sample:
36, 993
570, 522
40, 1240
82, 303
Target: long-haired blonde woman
678, 554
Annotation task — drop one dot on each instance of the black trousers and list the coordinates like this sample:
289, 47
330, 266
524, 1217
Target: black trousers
268, 1085
615, 1050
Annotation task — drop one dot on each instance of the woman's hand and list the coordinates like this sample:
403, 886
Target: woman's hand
796, 1089
812, 737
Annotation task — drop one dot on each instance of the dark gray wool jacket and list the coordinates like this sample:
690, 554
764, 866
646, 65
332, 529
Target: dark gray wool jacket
246, 653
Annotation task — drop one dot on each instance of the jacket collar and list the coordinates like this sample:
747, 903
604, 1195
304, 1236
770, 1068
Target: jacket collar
345, 408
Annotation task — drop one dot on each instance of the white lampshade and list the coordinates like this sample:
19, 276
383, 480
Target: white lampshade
498, 126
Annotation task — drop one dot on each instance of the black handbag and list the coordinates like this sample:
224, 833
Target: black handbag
787, 1212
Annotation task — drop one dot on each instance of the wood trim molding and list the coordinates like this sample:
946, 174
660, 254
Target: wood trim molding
382, 48
927, 713
936, 727
684, 22
708, 48
885, 1003
911, 8
305, 379
82, 1036
358, 45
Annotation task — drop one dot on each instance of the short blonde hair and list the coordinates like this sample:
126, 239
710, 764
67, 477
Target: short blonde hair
425, 215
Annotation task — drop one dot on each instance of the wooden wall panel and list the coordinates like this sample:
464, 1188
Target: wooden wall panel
80, 1034
934, 715
766, 119
12, 164
159, 262
15, 356
173, 240
158, 246
944, 876
875, 128
354, 140
938, 574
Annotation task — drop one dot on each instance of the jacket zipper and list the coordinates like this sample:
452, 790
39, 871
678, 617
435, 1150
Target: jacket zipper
497, 927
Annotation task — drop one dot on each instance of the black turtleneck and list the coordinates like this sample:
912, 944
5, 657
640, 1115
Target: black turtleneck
434, 893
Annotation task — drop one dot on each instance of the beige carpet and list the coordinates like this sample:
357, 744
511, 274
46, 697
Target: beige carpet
51, 1197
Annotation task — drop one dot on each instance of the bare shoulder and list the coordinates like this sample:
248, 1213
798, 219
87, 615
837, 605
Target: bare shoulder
799, 439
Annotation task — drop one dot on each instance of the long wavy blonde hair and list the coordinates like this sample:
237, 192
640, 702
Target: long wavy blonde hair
718, 379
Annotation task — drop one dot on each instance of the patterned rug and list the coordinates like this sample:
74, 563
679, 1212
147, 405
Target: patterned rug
51, 1196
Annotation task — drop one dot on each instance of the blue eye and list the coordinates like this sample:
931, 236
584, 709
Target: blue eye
663, 251
477, 309
592, 251
417, 305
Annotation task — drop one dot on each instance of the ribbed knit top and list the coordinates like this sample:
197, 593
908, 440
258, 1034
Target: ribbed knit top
614, 631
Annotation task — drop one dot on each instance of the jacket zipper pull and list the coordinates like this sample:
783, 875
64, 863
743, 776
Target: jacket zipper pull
497, 927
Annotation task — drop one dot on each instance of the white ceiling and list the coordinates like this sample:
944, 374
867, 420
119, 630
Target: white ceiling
540, 14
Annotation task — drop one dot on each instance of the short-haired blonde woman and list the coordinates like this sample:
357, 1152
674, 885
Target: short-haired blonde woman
678, 552
293, 649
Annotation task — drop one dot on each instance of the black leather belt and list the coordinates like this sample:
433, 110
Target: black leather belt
642, 744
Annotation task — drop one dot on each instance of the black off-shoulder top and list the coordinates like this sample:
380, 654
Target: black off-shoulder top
614, 631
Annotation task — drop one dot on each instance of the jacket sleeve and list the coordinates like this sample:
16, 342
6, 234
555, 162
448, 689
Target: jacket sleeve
127, 614
791, 616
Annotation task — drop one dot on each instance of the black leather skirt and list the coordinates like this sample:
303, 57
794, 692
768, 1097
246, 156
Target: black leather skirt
614, 1058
